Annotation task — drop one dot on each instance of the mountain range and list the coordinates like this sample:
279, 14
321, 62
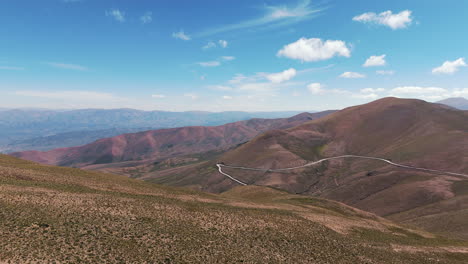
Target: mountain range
456, 102
42, 129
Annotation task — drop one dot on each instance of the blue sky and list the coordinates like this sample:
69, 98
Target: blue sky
229, 55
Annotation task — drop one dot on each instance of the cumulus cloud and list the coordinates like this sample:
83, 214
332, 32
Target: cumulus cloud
67, 66
417, 90
387, 18
227, 97
116, 14
223, 43
382, 72
352, 75
450, 67
181, 35
373, 61
146, 18
314, 49
315, 88
282, 76
158, 96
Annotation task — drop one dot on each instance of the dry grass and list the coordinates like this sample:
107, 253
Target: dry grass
62, 215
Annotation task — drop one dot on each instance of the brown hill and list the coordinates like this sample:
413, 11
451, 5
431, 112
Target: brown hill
156, 145
64, 215
406, 131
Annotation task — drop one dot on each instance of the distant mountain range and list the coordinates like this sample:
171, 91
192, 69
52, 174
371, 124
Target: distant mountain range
156, 145
456, 102
23, 129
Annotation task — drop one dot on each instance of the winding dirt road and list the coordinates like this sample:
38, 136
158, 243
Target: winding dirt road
220, 165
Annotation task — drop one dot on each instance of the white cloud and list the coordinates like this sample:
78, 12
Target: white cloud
158, 96
11, 68
146, 18
373, 61
450, 67
220, 87
365, 96
71, 95
116, 14
209, 64
181, 35
314, 49
228, 58
352, 75
237, 79
417, 90
382, 72
67, 66
387, 18
315, 88
282, 76
460, 92
275, 16
227, 97
223, 43
191, 96
372, 90
209, 45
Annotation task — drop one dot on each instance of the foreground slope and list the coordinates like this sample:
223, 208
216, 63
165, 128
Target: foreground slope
69, 216
406, 131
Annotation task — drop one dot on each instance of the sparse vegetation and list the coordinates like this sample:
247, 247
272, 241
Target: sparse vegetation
73, 216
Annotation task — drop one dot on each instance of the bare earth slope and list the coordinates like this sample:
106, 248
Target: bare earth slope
64, 215
406, 131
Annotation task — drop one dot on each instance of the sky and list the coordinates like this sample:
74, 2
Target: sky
222, 55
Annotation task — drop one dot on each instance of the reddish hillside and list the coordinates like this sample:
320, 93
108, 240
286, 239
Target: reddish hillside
164, 143
406, 131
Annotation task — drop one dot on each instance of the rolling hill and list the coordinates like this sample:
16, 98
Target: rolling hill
64, 215
406, 131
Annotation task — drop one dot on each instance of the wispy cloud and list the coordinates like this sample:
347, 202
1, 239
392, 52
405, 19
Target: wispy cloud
116, 14
66, 66
191, 96
228, 58
11, 68
71, 95
209, 63
352, 75
273, 16
158, 96
146, 18
181, 35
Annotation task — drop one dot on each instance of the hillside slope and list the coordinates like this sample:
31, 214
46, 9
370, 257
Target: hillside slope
406, 131
53, 214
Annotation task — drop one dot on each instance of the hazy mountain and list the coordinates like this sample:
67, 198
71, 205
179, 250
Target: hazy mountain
456, 102
67, 139
21, 124
51, 214
155, 145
